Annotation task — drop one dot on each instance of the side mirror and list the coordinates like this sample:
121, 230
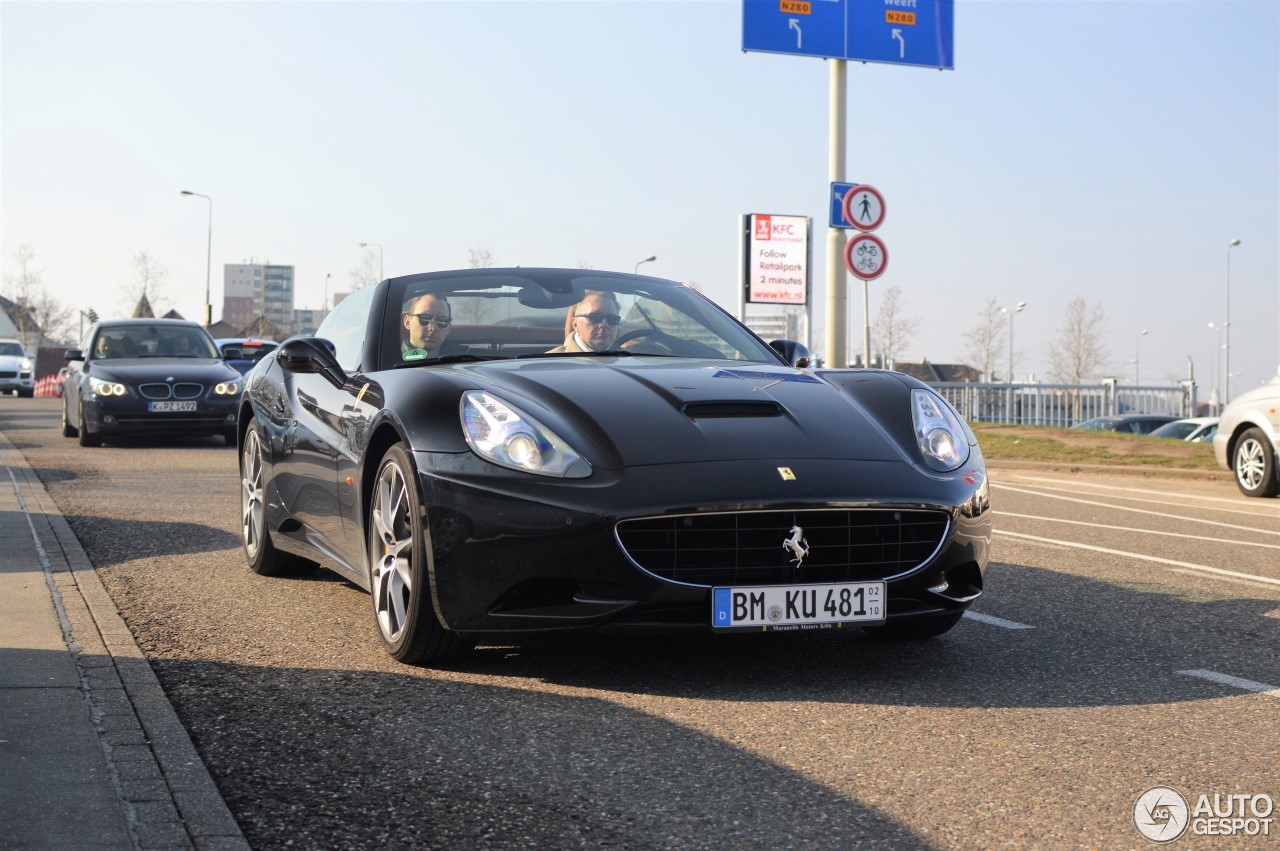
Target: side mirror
796, 354
311, 355
73, 354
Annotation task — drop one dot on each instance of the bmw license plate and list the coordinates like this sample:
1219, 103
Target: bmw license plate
169, 407
793, 607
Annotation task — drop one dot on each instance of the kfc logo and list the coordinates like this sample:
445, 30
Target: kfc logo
764, 227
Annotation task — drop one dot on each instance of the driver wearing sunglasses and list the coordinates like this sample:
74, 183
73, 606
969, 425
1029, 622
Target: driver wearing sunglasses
593, 324
428, 321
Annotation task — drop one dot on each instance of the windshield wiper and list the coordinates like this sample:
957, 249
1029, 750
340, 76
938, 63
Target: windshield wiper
441, 360
613, 353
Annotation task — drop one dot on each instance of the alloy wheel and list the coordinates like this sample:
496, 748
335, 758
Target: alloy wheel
391, 552
1251, 464
252, 508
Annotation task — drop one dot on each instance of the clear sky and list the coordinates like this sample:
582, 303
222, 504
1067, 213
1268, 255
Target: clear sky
1103, 150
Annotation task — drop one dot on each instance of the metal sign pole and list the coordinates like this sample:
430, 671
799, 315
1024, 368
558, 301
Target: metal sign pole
837, 277
866, 326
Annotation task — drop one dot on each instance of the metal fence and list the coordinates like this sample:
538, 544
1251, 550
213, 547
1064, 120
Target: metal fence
1063, 405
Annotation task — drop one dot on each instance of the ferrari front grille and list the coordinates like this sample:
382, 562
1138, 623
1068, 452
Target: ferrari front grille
764, 548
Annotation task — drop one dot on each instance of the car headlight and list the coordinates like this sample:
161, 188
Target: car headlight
939, 432
505, 435
25, 366
106, 388
227, 388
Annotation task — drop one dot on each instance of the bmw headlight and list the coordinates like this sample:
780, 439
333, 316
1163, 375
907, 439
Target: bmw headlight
505, 435
941, 436
106, 388
227, 388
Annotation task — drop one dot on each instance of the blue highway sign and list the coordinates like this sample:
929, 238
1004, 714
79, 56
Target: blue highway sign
836, 200
901, 32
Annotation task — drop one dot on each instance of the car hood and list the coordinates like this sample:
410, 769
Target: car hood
11, 361
136, 370
637, 411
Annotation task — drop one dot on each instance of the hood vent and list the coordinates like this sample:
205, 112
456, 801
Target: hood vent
723, 410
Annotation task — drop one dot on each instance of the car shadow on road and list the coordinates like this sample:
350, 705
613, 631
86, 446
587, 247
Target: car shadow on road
119, 541
1093, 644
337, 759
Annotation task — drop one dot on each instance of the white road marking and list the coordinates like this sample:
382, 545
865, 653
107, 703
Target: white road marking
1184, 518
1142, 531
1234, 682
1143, 557
1249, 582
1000, 622
1261, 509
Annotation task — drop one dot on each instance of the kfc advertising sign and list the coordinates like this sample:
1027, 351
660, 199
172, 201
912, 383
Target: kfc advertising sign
777, 259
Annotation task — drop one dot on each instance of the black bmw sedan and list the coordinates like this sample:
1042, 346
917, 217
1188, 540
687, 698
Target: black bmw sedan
148, 377
515, 450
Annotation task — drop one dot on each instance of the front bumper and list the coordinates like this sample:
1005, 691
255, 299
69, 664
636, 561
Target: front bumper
22, 381
122, 415
511, 552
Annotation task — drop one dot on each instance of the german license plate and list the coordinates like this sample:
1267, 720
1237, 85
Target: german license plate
170, 407
791, 607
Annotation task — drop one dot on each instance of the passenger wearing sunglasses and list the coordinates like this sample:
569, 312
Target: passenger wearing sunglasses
428, 321
593, 325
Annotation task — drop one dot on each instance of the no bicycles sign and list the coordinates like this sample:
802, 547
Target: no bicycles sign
865, 256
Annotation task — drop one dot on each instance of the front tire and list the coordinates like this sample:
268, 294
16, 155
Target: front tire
68, 430
87, 438
915, 629
407, 622
1254, 463
262, 555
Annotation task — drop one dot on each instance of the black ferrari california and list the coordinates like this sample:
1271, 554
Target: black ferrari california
499, 451
148, 377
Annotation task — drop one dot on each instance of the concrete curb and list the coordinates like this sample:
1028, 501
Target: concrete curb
166, 793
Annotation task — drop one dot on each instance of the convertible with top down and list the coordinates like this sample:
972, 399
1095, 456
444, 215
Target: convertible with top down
505, 451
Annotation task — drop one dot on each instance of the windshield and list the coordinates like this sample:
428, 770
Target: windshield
492, 314
11, 350
152, 341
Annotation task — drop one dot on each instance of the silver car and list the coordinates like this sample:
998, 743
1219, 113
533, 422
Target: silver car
15, 369
1248, 439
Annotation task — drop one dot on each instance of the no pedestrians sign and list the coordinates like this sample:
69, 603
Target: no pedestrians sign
864, 207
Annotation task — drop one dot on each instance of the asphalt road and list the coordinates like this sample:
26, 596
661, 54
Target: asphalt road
1129, 632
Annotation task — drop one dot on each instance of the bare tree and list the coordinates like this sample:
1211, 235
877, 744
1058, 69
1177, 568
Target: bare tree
367, 273
481, 258
149, 276
892, 330
22, 289
40, 315
1078, 352
985, 338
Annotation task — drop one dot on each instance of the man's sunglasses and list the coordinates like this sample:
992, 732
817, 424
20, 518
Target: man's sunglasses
425, 319
598, 317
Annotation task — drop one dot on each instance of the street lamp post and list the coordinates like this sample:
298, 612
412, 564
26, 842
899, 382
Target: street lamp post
208, 260
1137, 360
1213, 369
648, 259
1008, 401
1226, 327
377, 245
1012, 313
